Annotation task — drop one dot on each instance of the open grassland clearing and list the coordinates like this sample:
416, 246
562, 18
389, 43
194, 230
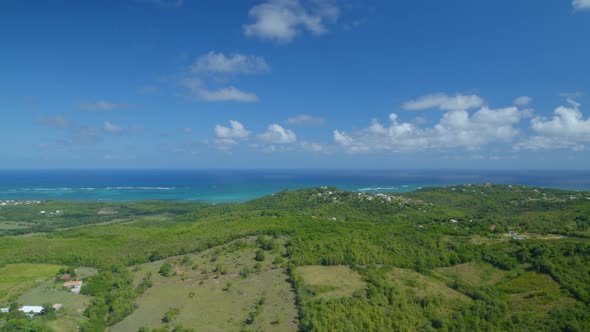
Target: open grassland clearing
231, 287
210, 305
8, 225
475, 273
534, 292
63, 324
327, 282
18, 278
414, 283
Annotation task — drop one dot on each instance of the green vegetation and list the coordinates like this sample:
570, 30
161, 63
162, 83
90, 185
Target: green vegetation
330, 281
471, 257
18, 278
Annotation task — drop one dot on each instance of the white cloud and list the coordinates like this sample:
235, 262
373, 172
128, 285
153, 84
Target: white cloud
235, 130
581, 4
523, 101
566, 122
537, 143
444, 102
234, 64
283, 20
224, 143
567, 129
305, 119
188, 130
112, 128
456, 129
277, 134
312, 146
97, 106
341, 138
231, 93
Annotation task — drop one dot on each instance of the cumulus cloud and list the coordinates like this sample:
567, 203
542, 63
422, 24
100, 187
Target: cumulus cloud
283, 20
219, 63
305, 119
235, 130
341, 138
456, 129
201, 92
98, 106
112, 128
566, 129
566, 122
279, 135
444, 102
523, 101
581, 4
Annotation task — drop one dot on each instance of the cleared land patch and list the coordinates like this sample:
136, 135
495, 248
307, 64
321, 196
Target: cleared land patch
220, 289
473, 273
535, 293
329, 282
18, 278
418, 284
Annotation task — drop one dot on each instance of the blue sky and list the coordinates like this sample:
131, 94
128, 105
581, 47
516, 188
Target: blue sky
294, 83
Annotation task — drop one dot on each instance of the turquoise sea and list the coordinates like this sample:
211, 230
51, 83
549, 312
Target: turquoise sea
241, 185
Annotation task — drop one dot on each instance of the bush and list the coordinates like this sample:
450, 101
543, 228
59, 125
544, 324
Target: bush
165, 270
259, 255
170, 315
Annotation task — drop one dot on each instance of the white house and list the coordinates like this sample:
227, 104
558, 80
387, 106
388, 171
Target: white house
74, 286
31, 310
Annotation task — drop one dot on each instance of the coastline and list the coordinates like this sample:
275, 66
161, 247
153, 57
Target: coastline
221, 186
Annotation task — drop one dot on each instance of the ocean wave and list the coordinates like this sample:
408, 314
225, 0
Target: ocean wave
92, 188
140, 188
377, 188
47, 189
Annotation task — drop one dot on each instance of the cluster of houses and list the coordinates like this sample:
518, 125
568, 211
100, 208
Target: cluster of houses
10, 202
33, 310
74, 286
50, 212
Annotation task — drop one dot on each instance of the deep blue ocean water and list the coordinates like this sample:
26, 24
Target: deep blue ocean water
241, 185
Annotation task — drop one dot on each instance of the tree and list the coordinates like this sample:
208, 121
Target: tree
48, 312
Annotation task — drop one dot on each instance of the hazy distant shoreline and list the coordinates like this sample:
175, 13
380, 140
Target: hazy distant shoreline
241, 185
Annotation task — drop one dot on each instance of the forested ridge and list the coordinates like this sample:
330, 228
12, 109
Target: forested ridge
521, 233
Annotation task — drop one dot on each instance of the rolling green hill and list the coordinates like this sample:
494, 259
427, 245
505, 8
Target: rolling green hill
470, 257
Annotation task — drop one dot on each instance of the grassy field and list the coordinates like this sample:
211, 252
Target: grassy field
329, 282
533, 292
7, 225
474, 273
18, 278
530, 293
416, 283
213, 293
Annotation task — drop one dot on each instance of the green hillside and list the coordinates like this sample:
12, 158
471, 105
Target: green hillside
461, 258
